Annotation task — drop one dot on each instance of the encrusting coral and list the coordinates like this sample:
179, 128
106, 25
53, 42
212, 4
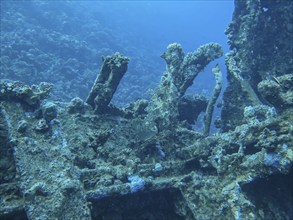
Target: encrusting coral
180, 72
113, 69
216, 92
70, 161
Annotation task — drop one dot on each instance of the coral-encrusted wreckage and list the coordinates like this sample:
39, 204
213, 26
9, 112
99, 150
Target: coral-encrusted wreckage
92, 160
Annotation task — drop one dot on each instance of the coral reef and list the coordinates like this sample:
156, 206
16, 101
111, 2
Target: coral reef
191, 103
70, 161
61, 43
31, 95
179, 75
83, 157
278, 91
7, 167
211, 104
260, 38
112, 71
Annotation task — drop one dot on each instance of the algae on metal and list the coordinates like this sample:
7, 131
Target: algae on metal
72, 161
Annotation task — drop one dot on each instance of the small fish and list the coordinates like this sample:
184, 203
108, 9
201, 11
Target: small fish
276, 80
273, 78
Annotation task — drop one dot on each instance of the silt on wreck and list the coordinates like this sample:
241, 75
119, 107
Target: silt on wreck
92, 160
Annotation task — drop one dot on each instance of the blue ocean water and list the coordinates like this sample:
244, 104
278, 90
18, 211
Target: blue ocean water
158, 23
149, 26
